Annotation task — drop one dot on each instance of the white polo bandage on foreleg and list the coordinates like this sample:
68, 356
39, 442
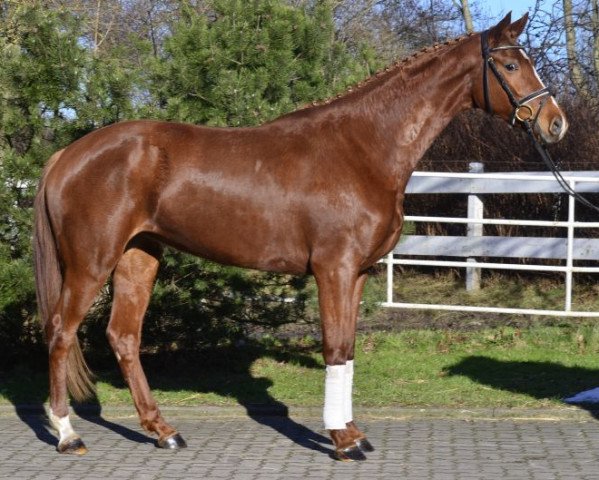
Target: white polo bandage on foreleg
347, 391
334, 397
63, 426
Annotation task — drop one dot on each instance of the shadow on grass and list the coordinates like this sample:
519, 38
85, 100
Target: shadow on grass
541, 380
224, 371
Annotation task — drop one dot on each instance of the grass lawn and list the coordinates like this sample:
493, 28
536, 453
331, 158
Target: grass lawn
533, 367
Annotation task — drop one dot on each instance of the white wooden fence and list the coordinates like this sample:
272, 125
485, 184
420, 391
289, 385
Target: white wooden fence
569, 249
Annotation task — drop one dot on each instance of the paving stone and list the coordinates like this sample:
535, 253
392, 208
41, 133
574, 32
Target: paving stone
273, 448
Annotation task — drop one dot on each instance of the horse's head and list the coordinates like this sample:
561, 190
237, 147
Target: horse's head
510, 86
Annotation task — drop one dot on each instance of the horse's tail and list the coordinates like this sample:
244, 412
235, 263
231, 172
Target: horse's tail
48, 284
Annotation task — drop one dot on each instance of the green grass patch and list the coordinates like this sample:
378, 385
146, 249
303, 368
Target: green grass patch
502, 367
535, 291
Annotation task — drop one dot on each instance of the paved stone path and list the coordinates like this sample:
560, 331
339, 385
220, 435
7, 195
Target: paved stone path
268, 448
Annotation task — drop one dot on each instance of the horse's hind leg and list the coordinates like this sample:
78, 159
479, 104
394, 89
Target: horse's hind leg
77, 295
133, 280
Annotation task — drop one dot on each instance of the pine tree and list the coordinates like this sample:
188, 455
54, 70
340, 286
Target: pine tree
41, 64
248, 62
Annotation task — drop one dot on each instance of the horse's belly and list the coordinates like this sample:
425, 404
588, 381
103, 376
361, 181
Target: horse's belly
224, 236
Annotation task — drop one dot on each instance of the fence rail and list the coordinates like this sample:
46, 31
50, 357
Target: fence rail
565, 250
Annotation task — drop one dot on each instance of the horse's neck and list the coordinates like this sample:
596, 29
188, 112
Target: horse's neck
414, 103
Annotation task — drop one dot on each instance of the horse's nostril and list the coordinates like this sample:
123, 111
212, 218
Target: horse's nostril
556, 126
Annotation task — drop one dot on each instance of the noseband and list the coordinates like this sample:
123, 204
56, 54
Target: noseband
522, 111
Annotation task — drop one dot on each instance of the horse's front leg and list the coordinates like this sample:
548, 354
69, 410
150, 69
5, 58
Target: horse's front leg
338, 290
358, 436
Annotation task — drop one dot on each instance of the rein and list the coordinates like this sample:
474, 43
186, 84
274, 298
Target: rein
524, 112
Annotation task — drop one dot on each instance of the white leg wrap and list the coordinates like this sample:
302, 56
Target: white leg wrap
63, 426
334, 397
347, 392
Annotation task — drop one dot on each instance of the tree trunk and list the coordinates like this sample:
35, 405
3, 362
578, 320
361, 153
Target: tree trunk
575, 71
595, 26
464, 9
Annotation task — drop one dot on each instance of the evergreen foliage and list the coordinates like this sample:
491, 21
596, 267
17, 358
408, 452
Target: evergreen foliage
41, 65
248, 62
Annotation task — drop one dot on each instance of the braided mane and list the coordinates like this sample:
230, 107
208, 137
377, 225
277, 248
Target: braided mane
389, 70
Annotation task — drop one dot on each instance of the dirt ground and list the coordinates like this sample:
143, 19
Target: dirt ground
397, 320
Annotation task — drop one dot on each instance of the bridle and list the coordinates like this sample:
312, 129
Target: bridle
524, 112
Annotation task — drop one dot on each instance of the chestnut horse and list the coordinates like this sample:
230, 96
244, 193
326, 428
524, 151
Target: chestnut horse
318, 191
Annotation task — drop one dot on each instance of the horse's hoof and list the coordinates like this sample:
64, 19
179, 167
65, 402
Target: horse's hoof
349, 454
174, 442
364, 445
74, 446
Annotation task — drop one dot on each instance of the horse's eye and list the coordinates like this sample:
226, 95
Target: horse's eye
511, 67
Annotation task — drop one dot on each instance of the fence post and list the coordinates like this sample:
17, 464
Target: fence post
390, 277
570, 247
475, 212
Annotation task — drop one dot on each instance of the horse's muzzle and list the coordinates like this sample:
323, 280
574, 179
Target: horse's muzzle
555, 131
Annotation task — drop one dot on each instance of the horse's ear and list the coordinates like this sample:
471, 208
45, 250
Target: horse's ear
516, 28
506, 31
497, 32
